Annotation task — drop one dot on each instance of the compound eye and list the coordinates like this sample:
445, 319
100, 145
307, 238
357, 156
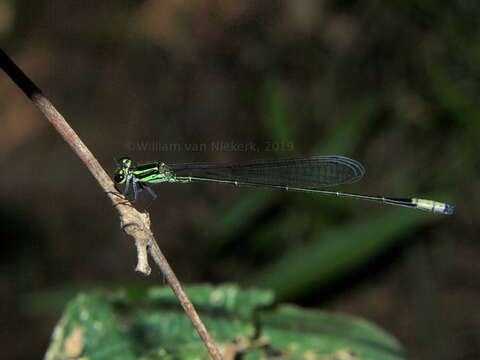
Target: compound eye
119, 178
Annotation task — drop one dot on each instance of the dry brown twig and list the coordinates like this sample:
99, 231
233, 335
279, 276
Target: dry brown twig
133, 222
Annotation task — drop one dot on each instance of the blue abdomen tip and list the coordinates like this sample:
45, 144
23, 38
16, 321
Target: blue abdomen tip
449, 209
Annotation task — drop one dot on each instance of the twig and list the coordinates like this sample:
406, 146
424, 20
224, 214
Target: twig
133, 222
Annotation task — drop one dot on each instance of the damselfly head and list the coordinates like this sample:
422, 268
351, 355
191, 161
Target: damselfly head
125, 162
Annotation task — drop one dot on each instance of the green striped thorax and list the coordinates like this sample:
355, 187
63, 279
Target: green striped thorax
154, 173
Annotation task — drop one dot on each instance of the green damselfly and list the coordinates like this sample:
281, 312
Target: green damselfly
309, 174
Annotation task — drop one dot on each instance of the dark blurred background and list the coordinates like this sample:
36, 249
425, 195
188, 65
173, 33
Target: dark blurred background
392, 84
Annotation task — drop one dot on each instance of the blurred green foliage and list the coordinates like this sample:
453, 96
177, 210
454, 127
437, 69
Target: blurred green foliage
391, 84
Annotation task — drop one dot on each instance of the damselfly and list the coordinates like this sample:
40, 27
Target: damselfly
309, 174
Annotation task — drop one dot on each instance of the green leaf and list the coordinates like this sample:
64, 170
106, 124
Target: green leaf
122, 325
226, 298
152, 325
90, 327
300, 334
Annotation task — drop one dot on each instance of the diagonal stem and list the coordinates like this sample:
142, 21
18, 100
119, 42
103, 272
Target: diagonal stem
133, 222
